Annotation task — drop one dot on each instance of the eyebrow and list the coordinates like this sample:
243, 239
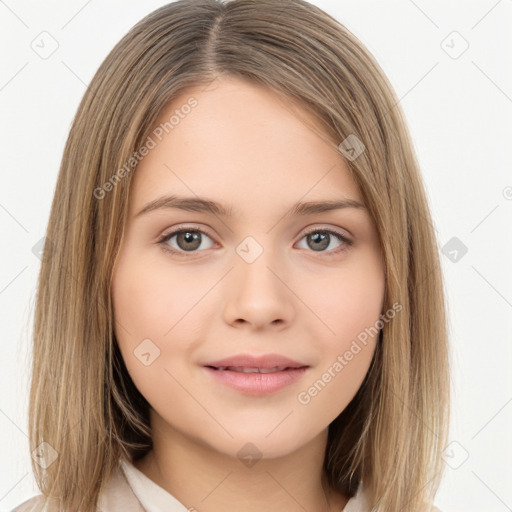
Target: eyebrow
200, 204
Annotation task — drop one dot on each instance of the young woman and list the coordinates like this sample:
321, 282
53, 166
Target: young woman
240, 302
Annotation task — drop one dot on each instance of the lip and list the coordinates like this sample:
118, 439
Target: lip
257, 361
256, 384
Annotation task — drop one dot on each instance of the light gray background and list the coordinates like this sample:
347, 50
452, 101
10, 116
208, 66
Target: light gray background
459, 113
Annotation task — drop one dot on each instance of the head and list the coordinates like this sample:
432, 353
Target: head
255, 110
262, 279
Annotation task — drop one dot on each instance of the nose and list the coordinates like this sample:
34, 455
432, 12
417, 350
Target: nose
258, 295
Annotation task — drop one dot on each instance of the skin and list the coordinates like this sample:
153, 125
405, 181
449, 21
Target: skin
246, 148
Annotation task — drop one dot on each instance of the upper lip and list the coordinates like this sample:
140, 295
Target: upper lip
261, 361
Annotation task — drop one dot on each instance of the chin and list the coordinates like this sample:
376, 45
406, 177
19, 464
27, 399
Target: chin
257, 443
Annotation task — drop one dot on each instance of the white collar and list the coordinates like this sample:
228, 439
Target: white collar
129, 488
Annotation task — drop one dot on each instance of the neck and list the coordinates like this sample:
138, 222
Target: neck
204, 479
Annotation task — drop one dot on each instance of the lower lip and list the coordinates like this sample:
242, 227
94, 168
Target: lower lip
257, 384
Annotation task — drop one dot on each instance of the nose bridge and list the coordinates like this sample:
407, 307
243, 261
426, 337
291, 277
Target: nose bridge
257, 263
258, 294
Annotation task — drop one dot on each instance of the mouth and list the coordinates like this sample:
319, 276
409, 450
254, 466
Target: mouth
252, 370
243, 369
262, 362
256, 375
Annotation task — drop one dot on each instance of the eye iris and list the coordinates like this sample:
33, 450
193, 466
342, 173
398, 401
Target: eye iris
185, 238
323, 238
190, 240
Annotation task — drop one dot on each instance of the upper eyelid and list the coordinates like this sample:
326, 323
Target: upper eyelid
330, 229
176, 230
305, 231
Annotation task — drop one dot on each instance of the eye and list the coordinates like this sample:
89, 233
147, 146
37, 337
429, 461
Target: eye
190, 239
187, 240
321, 239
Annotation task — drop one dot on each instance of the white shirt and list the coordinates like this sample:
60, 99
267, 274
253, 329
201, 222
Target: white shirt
129, 488
156, 499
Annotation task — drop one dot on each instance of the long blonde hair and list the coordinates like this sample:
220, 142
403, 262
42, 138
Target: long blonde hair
83, 403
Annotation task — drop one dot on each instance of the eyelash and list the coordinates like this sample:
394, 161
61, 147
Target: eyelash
165, 238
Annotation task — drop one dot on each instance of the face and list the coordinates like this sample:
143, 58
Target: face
194, 285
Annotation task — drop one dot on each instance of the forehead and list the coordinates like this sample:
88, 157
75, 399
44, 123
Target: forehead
243, 145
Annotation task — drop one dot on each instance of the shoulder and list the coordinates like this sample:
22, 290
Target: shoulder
115, 496
35, 504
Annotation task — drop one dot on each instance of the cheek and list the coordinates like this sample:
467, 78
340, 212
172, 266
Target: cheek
148, 301
349, 304
153, 302
348, 300
150, 309
137, 295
